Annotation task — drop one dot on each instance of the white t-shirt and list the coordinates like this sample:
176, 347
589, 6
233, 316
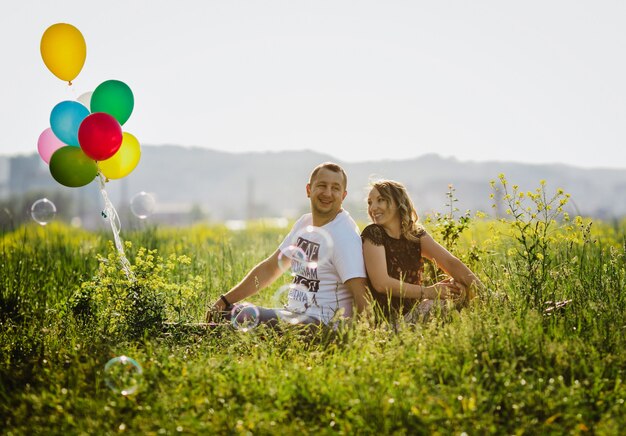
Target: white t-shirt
324, 261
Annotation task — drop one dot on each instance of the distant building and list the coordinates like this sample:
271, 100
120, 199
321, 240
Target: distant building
29, 173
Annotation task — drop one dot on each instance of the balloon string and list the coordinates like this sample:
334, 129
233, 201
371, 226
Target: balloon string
110, 213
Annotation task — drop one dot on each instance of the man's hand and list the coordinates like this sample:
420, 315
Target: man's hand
216, 312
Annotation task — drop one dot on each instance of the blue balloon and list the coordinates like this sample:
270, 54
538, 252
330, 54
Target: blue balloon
65, 120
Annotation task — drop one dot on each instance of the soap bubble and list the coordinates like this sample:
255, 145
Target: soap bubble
244, 317
43, 211
316, 243
295, 299
123, 375
142, 205
291, 254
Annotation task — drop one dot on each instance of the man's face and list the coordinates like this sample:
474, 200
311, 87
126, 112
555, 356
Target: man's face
326, 192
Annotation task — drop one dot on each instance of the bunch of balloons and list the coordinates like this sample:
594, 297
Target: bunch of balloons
85, 137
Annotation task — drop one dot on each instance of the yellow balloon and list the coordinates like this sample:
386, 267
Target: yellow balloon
124, 161
63, 50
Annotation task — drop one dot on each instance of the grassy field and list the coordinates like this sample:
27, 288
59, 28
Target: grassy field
504, 365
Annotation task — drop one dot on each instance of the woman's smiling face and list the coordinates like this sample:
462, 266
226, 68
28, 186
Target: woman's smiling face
381, 210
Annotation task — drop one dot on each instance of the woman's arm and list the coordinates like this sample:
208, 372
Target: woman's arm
451, 265
376, 266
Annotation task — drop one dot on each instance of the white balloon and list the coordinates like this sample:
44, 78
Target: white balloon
85, 99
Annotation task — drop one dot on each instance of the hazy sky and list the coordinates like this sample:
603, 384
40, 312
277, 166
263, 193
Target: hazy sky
530, 81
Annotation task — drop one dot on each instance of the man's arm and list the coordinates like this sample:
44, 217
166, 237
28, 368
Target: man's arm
357, 286
259, 277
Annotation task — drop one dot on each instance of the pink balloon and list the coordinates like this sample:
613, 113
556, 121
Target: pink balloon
47, 144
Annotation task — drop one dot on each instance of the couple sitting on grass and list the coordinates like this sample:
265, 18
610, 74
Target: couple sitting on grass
337, 271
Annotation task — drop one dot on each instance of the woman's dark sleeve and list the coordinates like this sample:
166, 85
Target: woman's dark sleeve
374, 234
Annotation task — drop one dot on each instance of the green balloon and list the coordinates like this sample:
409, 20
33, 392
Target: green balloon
71, 167
114, 98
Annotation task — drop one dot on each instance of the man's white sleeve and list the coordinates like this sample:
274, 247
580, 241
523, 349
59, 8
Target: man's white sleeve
348, 256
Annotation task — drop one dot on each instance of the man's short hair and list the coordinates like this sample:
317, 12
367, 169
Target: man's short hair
331, 167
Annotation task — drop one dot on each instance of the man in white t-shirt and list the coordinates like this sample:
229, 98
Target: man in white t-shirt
325, 251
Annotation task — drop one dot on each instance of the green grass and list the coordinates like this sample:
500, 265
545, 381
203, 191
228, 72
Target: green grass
500, 366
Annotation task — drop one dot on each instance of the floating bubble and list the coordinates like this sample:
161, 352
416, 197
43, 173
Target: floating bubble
280, 299
142, 205
295, 299
43, 211
123, 375
291, 254
245, 317
316, 243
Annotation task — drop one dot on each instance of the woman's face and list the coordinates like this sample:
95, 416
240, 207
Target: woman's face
380, 210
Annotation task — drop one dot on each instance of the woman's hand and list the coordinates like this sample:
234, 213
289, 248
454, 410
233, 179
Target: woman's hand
446, 289
466, 293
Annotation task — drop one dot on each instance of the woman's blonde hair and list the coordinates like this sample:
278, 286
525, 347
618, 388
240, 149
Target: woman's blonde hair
395, 193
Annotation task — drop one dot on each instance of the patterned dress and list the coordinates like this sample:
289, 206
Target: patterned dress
404, 263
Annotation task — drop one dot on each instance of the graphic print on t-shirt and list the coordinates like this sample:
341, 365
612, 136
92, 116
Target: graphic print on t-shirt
304, 275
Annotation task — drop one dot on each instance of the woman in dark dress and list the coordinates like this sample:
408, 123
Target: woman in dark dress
394, 247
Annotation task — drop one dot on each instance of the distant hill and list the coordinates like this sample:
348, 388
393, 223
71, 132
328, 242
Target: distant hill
250, 185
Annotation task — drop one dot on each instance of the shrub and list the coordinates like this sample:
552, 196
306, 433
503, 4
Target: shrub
126, 305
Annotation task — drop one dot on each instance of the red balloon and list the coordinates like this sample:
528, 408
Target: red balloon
100, 136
